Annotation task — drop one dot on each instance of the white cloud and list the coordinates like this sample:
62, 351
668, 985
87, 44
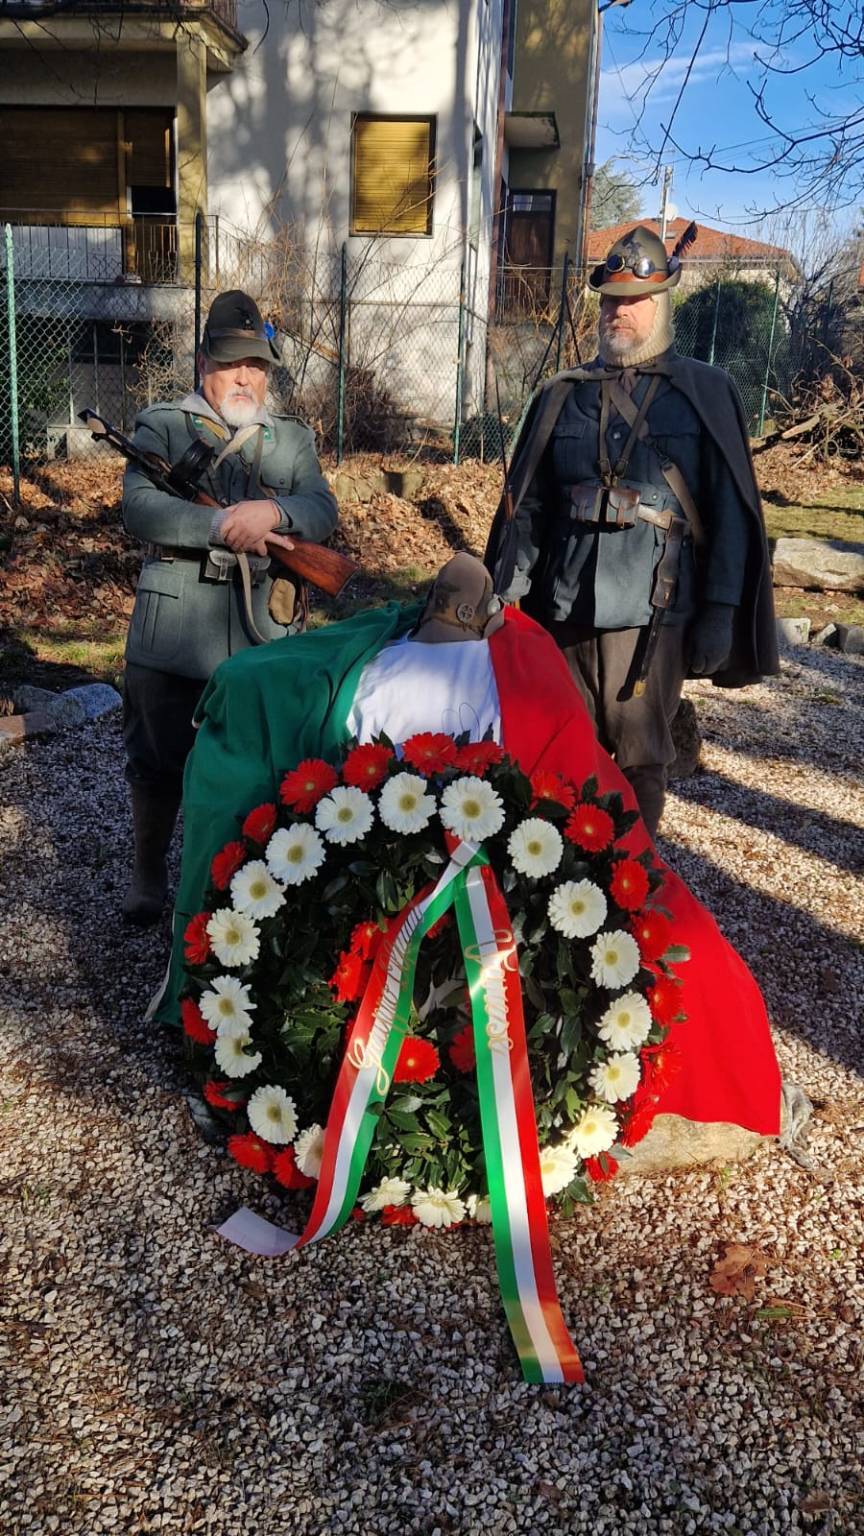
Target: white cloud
622, 86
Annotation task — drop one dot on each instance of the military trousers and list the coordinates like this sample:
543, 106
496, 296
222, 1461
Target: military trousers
636, 731
157, 726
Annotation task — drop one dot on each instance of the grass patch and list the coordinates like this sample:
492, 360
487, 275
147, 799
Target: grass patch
58, 657
837, 512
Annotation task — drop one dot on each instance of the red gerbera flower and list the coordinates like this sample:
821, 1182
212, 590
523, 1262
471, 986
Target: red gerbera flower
661, 1063
665, 999
430, 752
226, 864
218, 1096
601, 1169
367, 766
349, 978
546, 785
639, 1123
365, 939
478, 757
286, 1172
418, 1060
194, 1022
358, 1213
260, 824
251, 1152
652, 932
398, 1216
591, 828
307, 784
197, 939
629, 884
461, 1050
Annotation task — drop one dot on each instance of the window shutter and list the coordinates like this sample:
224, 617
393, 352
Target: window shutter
392, 176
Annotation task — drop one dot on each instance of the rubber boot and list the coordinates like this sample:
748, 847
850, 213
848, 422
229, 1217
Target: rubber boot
154, 813
648, 782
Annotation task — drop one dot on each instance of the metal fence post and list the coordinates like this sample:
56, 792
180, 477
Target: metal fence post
714, 326
340, 386
770, 351
562, 310
199, 222
460, 348
13, 364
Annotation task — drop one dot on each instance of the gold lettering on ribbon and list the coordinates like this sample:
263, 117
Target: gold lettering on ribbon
495, 956
361, 1056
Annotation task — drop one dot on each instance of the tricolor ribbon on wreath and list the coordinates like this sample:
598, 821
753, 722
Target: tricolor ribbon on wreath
519, 1226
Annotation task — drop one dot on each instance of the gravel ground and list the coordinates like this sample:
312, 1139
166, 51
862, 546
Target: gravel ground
162, 1381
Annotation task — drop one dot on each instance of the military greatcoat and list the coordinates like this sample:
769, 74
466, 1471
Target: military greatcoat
184, 622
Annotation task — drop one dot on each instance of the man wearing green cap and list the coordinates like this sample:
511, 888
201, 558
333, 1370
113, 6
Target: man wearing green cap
637, 535
191, 610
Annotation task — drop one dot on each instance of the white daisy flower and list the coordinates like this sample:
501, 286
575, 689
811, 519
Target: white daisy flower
294, 854
404, 804
273, 1115
255, 892
614, 959
233, 937
535, 847
479, 1208
472, 810
309, 1151
229, 1001
388, 1192
437, 1207
557, 1169
577, 908
345, 815
616, 1078
594, 1132
233, 1055
626, 1023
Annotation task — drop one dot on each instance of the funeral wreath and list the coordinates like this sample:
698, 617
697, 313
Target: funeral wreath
327, 905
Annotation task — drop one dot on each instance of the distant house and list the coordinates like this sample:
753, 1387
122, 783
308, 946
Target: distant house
713, 251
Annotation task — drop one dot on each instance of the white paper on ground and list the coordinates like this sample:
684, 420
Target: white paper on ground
256, 1234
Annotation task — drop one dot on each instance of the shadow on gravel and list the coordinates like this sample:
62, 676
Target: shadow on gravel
785, 728
838, 842
811, 974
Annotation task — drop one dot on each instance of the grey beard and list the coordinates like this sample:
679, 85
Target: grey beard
612, 346
238, 413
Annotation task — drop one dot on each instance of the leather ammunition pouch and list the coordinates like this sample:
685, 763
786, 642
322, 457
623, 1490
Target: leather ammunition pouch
217, 564
613, 506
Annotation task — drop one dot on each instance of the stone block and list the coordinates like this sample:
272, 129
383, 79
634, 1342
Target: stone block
823, 565
825, 636
94, 699
850, 639
26, 697
792, 632
674, 1142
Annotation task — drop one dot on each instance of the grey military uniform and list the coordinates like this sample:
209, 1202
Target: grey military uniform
184, 622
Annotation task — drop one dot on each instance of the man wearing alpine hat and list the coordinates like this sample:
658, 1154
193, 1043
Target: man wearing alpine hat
193, 605
637, 538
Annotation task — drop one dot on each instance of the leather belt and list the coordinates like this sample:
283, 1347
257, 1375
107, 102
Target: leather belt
217, 564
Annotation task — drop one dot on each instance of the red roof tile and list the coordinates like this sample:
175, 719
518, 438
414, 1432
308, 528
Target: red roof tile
709, 245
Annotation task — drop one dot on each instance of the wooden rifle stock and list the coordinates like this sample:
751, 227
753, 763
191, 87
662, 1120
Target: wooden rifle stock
321, 567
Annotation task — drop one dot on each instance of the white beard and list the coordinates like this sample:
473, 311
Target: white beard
238, 412
616, 344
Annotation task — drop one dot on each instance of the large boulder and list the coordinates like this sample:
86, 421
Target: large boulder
825, 565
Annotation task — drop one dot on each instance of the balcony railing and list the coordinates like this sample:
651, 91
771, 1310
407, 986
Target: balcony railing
224, 10
74, 246
524, 293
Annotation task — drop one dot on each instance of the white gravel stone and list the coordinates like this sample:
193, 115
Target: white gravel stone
160, 1381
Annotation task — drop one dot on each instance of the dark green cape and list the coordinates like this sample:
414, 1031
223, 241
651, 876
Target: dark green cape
715, 399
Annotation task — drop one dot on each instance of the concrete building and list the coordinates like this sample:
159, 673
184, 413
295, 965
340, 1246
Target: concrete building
440, 142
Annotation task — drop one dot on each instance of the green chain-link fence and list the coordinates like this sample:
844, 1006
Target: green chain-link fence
377, 356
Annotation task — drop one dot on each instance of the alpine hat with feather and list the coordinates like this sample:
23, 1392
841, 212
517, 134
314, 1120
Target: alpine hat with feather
637, 264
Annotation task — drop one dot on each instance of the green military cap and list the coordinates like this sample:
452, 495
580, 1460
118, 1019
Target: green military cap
638, 264
235, 330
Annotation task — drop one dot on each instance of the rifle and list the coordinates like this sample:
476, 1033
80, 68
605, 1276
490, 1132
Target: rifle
322, 567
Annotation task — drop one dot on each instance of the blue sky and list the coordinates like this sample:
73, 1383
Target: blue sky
716, 111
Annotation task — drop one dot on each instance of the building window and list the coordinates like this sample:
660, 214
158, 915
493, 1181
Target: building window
392, 175
529, 236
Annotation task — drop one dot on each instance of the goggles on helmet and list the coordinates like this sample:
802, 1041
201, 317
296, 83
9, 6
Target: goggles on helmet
640, 266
